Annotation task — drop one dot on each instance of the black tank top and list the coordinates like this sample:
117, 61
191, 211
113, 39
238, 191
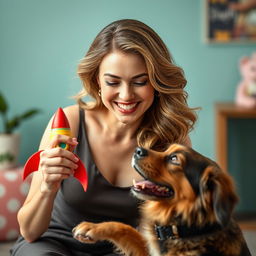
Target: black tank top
101, 202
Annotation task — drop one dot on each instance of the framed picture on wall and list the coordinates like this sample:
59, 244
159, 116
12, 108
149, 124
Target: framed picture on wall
230, 21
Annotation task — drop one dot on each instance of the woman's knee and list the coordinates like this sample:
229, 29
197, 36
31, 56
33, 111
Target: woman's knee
41, 247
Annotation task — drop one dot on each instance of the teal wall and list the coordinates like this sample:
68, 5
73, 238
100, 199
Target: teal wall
41, 43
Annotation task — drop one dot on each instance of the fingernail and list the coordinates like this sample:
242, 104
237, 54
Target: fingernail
74, 140
76, 159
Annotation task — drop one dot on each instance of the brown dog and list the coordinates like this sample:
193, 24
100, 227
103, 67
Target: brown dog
187, 209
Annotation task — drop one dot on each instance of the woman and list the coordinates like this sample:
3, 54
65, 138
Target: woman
139, 100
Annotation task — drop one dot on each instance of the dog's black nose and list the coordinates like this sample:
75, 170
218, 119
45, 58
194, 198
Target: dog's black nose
141, 152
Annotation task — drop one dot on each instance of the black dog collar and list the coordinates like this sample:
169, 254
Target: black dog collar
184, 231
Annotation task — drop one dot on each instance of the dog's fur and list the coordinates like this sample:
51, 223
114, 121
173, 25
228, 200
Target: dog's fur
193, 198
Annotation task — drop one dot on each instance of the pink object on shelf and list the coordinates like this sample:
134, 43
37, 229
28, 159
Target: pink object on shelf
246, 89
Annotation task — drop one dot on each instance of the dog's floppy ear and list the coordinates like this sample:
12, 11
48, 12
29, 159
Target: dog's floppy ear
222, 191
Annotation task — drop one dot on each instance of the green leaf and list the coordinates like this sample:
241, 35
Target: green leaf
12, 124
3, 104
29, 113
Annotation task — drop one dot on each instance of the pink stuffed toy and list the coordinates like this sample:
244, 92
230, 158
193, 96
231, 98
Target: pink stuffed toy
246, 90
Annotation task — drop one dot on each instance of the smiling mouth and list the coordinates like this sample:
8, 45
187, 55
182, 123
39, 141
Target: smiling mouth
127, 107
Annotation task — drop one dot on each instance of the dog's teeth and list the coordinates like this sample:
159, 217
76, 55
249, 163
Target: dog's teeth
158, 188
134, 182
143, 186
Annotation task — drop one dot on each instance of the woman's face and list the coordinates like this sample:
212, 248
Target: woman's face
125, 87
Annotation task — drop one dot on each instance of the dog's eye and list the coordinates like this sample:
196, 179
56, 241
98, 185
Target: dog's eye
174, 159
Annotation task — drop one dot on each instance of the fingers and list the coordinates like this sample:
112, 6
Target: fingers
57, 163
61, 163
72, 146
57, 139
59, 157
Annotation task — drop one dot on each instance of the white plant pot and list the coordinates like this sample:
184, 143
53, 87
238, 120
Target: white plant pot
9, 150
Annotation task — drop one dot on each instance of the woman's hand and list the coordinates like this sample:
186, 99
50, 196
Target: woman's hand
57, 164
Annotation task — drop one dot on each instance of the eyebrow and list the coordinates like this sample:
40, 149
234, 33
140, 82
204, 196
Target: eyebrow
118, 77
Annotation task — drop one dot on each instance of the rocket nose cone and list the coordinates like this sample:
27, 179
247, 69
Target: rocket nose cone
60, 120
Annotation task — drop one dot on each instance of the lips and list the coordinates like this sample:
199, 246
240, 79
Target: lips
127, 108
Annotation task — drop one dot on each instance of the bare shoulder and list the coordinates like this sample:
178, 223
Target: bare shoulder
72, 114
93, 117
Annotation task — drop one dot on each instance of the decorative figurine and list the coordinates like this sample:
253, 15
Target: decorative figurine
60, 125
246, 90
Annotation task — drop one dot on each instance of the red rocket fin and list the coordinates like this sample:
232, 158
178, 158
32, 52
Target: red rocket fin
81, 174
31, 165
33, 162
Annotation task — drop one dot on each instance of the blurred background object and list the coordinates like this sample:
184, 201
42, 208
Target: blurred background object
9, 140
246, 89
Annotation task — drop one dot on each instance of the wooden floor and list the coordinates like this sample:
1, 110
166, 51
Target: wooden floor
247, 225
247, 221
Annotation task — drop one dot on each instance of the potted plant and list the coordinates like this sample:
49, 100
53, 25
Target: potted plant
10, 141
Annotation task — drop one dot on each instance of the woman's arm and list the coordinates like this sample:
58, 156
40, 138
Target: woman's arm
55, 165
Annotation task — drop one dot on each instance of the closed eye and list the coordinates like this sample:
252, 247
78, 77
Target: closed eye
111, 83
142, 83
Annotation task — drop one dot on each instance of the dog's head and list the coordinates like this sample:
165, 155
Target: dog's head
193, 186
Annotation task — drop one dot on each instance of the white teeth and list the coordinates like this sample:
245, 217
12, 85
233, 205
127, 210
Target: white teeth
134, 182
125, 106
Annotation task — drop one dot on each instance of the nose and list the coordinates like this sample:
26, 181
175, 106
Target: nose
126, 92
140, 152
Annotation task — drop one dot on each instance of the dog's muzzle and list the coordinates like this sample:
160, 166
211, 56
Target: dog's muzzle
147, 186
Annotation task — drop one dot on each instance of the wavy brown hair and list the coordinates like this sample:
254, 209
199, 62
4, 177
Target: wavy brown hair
169, 119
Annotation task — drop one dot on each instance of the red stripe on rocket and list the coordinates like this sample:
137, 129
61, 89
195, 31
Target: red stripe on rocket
60, 125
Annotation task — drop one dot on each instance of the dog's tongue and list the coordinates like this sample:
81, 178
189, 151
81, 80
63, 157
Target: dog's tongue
150, 188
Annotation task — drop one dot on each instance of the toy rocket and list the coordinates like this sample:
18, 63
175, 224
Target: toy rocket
60, 125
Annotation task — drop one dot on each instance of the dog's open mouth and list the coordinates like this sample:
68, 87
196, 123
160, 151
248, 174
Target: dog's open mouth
147, 187
152, 189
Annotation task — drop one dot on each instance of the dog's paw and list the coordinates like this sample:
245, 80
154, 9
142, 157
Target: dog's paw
86, 232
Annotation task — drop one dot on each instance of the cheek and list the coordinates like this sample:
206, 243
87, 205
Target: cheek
107, 93
148, 94
106, 98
